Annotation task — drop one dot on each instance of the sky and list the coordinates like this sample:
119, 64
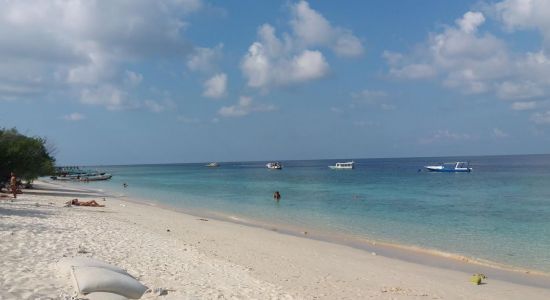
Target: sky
138, 81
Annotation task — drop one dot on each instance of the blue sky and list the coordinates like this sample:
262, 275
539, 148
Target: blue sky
122, 82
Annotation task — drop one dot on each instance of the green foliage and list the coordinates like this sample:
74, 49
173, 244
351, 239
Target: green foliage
28, 157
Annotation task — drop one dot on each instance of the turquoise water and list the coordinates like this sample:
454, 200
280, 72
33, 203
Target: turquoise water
499, 212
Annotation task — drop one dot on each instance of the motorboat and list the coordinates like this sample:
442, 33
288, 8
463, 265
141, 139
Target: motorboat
213, 165
458, 166
274, 165
343, 166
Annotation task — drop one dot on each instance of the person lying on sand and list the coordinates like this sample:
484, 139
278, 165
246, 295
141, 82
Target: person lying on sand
83, 203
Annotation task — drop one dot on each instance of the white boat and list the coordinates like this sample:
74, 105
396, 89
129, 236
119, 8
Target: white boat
102, 176
458, 166
213, 165
274, 165
343, 166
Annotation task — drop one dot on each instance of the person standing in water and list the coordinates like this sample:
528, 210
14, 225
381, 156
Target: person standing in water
277, 196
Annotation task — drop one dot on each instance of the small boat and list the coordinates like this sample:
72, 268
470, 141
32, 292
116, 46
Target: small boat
458, 166
77, 174
97, 177
274, 165
343, 166
213, 165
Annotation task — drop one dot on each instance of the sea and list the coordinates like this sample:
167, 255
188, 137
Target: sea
500, 212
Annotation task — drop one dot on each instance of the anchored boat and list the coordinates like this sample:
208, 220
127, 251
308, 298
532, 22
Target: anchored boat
274, 165
343, 166
458, 166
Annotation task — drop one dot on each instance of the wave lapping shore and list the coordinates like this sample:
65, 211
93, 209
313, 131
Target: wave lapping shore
198, 258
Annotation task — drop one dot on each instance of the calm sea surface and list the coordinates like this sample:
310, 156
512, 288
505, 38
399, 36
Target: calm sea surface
499, 212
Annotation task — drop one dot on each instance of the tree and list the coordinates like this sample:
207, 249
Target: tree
28, 157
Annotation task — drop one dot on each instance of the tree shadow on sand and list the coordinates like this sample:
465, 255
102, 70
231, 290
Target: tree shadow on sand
72, 194
39, 188
24, 212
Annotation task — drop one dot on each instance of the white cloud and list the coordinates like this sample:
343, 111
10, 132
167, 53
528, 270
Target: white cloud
292, 58
525, 14
541, 117
83, 45
371, 97
132, 78
74, 117
472, 61
470, 21
464, 58
216, 86
524, 105
272, 62
244, 107
518, 90
498, 133
313, 29
106, 95
205, 59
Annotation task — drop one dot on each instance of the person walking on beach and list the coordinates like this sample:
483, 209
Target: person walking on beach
13, 185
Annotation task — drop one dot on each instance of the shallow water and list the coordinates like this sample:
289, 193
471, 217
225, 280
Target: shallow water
499, 212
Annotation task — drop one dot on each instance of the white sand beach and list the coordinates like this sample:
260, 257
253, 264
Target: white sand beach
196, 258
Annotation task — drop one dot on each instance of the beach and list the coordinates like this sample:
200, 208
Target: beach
192, 257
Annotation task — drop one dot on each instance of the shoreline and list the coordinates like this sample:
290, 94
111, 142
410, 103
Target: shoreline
403, 252
198, 258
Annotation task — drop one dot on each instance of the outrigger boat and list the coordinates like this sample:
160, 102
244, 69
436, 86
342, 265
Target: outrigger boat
458, 166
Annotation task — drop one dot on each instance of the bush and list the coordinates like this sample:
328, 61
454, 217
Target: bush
28, 157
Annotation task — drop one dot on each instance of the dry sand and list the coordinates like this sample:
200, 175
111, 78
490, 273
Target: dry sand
206, 259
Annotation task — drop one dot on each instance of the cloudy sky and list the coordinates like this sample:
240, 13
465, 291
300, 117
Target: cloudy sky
121, 82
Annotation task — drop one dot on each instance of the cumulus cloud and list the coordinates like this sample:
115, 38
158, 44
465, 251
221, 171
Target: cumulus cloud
205, 59
296, 57
525, 14
61, 43
216, 86
244, 107
273, 62
466, 58
74, 117
313, 29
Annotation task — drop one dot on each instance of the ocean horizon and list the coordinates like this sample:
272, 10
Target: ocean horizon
500, 212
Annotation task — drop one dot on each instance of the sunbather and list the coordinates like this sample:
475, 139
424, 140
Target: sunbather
75, 202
